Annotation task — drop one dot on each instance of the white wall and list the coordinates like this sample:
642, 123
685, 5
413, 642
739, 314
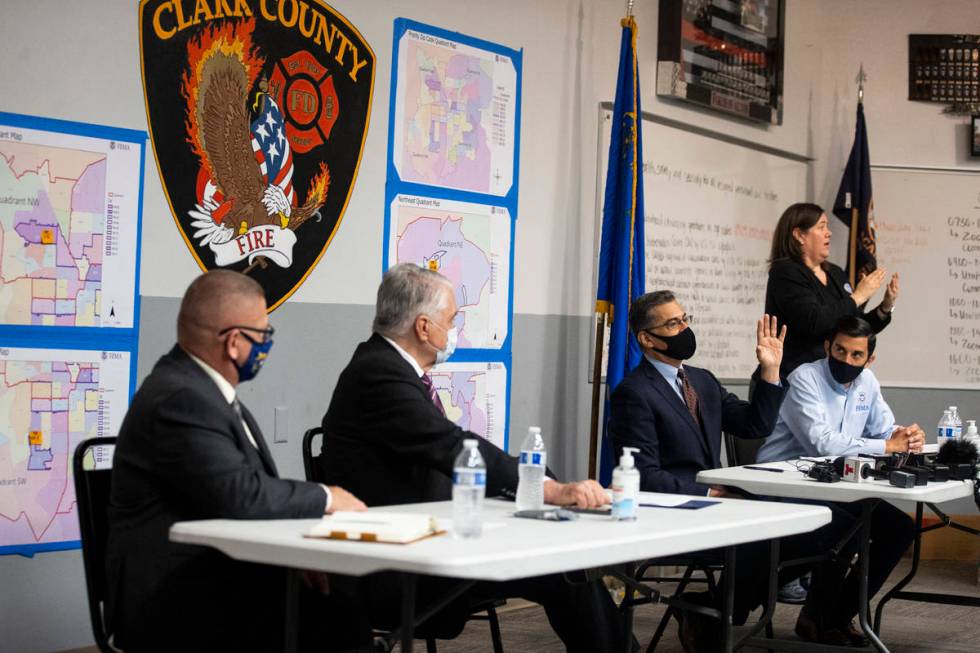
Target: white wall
571, 49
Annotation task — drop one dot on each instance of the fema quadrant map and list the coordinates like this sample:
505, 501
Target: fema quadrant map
68, 230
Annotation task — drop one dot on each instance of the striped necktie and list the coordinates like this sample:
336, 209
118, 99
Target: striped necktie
433, 395
690, 395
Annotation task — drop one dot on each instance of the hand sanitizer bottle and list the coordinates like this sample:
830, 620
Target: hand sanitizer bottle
625, 487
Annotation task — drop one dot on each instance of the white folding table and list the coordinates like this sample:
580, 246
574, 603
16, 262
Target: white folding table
791, 483
510, 548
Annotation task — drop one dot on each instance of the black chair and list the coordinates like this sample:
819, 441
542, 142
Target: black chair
311, 466
742, 451
92, 497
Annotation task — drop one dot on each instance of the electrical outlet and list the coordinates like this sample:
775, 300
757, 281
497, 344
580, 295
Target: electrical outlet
282, 425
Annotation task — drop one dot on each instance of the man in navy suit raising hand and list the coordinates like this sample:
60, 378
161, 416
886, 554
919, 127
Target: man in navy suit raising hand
675, 413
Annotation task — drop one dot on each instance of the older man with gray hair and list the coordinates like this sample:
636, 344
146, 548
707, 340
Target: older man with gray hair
387, 439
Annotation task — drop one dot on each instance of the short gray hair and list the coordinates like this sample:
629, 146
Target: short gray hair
642, 306
407, 291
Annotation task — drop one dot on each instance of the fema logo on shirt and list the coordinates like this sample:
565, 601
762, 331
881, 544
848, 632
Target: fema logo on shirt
863, 405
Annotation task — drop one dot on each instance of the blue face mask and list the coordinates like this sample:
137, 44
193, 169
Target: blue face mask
256, 357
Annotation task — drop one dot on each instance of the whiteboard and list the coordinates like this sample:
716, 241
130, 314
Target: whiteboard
711, 204
929, 232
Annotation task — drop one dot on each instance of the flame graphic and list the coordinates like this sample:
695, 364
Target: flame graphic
319, 187
231, 38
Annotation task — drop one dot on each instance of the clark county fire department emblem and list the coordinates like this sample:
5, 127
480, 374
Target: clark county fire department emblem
258, 111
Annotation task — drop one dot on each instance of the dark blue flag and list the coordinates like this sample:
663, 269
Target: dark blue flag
855, 206
621, 260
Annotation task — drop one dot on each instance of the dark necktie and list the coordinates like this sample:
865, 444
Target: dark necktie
433, 395
237, 407
690, 396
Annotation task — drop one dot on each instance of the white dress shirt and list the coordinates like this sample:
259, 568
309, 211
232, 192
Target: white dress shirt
820, 417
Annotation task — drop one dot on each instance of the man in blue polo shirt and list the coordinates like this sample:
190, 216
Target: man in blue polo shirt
834, 407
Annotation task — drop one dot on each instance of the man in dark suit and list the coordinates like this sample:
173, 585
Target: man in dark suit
675, 415
188, 449
387, 438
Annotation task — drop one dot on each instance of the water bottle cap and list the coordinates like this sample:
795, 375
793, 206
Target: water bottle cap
952, 409
534, 429
470, 443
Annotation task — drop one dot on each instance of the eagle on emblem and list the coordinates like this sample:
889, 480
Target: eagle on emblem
246, 163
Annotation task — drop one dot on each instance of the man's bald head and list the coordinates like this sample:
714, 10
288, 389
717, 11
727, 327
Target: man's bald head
214, 301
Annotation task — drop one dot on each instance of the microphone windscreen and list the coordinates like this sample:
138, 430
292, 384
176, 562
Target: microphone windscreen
958, 452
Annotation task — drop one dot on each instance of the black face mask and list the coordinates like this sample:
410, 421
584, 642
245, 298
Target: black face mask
680, 346
842, 372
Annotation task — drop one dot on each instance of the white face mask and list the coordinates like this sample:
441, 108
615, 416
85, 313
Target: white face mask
443, 355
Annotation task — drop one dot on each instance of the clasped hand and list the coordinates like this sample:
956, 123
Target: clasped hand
906, 439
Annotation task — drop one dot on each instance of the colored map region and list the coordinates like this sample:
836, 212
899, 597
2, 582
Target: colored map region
469, 244
52, 219
474, 396
47, 407
456, 115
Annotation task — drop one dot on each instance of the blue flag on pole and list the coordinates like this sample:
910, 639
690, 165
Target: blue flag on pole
621, 260
855, 206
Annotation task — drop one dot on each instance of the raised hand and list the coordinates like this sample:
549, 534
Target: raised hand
891, 294
769, 347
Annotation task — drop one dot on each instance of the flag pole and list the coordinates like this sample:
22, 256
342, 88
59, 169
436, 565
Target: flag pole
855, 210
600, 336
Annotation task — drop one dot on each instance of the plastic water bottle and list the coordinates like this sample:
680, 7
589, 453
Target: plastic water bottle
944, 429
531, 472
469, 488
625, 487
956, 422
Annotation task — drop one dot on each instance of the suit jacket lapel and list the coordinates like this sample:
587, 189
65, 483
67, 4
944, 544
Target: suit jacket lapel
263, 450
674, 401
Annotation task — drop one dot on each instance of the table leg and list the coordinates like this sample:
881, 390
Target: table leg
409, 582
630, 570
291, 623
916, 552
728, 599
765, 619
867, 507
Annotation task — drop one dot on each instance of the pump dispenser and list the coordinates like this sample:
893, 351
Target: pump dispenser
971, 434
625, 487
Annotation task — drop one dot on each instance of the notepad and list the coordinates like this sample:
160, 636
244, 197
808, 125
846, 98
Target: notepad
373, 526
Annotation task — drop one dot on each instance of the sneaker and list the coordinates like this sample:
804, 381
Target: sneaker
793, 593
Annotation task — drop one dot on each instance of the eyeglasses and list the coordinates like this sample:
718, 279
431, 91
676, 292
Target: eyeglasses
674, 323
267, 333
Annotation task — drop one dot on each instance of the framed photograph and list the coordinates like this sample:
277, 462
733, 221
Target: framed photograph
723, 55
975, 135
